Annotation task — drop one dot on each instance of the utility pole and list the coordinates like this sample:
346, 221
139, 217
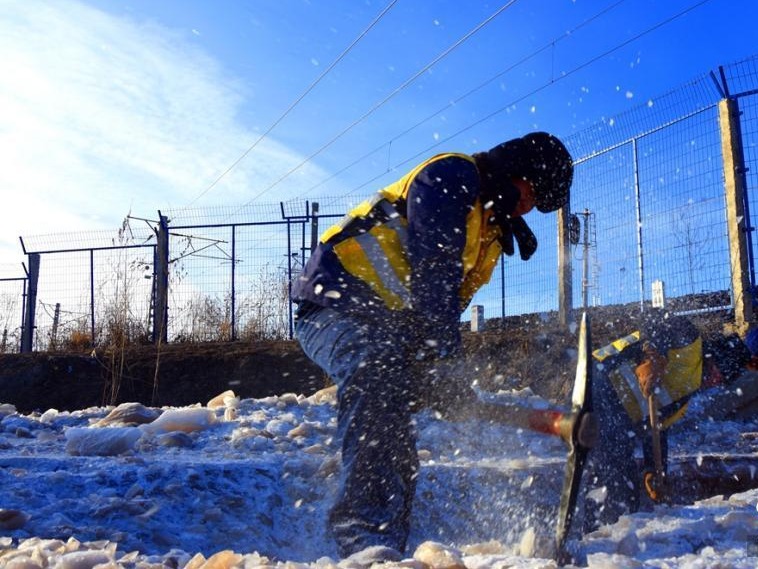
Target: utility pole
56, 322
586, 260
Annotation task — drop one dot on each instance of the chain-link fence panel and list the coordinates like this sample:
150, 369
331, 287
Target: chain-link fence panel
12, 291
89, 298
684, 231
605, 248
200, 284
228, 278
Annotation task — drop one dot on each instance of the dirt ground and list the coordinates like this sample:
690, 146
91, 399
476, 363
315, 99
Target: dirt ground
531, 350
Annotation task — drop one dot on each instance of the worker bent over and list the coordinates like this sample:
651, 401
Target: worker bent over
385, 289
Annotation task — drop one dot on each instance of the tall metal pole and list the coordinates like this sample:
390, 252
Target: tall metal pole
638, 207
92, 295
289, 281
502, 286
585, 261
160, 269
27, 333
314, 227
565, 292
23, 300
234, 290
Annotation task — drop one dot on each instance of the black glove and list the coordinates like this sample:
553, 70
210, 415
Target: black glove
527, 241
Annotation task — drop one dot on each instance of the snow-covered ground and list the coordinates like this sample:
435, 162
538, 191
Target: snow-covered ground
247, 483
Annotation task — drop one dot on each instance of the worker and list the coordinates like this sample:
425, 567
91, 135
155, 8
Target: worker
652, 372
384, 292
734, 393
751, 342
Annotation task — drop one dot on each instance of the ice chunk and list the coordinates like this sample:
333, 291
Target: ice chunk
129, 414
83, 559
225, 399
7, 409
527, 543
439, 556
89, 441
187, 420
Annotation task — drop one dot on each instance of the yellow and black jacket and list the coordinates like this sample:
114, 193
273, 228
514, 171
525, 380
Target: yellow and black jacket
676, 338
423, 244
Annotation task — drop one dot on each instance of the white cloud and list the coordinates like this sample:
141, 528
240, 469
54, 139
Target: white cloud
100, 115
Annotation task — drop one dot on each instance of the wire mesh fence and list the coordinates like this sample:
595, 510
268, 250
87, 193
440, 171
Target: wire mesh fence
12, 294
94, 297
658, 208
648, 206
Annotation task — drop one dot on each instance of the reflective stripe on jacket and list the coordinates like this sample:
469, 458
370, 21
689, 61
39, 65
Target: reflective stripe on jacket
371, 243
683, 376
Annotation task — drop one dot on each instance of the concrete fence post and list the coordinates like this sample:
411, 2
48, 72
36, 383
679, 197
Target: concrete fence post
734, 188
477, 318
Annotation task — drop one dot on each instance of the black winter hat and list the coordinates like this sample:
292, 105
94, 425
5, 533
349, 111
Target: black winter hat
539, 158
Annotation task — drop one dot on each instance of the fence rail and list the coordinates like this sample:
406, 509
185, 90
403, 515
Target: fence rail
663, 198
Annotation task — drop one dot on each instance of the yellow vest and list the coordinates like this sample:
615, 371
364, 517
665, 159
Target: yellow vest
379, 256
683, 376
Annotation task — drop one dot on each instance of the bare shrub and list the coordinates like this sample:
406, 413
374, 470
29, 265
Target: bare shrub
118, 324
264, 309
9, 310
205, 319
76, 341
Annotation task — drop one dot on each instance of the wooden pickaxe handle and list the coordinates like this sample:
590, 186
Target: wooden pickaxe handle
655, 433
551, 421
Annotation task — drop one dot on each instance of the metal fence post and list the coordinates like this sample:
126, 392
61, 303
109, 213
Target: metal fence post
565, 302
92, 293
24, 288
638, 206
160, 276
502, 286
734, 188
314, 227
234, 289
27, 333
290, 316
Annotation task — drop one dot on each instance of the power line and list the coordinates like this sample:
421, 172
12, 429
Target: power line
294, 103
456, 101
535, 91
397, 90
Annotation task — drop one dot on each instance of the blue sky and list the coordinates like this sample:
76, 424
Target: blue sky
114, 106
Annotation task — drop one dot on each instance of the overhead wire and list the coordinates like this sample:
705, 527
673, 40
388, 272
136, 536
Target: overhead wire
289, 109
549, 83
563, 76
465, 95
376, 106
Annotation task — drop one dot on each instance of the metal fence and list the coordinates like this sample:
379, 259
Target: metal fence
648, 206
88, 285
655, 192
12, 295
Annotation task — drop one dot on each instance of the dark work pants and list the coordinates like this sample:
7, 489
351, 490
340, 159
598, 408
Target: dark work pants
611, 463
379, 461
611, 474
